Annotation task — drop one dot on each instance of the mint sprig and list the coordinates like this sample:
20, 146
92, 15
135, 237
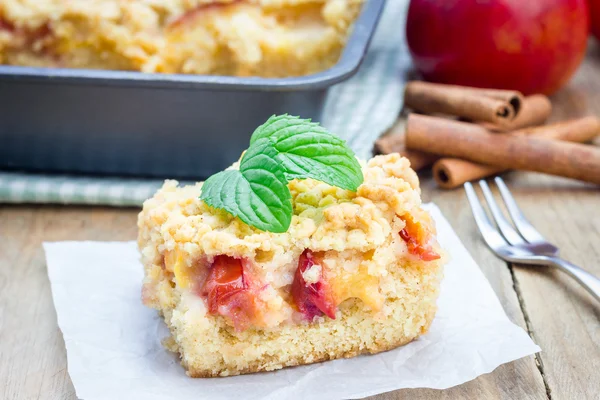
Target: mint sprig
282, 149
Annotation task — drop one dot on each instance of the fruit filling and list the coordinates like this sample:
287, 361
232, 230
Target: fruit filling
417, 240
5, 25
311, 291
232, 292
231, 288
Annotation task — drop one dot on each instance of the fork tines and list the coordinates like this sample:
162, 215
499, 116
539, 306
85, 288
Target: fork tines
524, 234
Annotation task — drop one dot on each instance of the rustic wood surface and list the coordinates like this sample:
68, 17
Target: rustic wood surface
561, 317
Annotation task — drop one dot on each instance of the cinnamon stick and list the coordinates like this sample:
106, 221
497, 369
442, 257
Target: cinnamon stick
498, 107
450, 173
394, 142
535, 110
474, 143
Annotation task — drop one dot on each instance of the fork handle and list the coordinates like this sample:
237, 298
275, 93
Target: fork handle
590, 282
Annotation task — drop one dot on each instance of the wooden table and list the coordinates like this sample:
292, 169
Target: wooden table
559, 315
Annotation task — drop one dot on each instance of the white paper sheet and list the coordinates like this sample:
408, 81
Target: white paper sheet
114, 351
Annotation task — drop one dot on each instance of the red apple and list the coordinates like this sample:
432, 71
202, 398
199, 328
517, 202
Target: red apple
595, 17
529, 45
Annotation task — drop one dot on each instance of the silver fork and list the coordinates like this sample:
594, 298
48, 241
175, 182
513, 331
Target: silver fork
525, 245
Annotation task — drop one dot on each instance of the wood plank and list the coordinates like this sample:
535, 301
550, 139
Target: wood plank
510, 382
32, 352
563, 317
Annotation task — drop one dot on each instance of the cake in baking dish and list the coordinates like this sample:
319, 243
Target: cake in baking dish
269, 38
355, 273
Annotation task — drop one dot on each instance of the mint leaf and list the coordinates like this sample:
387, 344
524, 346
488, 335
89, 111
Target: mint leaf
307, 150
275, 124
257, 193
282, 149
319, 155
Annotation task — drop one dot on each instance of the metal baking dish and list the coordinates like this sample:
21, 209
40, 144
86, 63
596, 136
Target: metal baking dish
131, 123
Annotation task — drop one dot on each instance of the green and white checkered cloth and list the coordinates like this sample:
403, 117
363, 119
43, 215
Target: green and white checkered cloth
359, 110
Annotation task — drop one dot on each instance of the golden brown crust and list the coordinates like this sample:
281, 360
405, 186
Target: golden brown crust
304, 359
300, 360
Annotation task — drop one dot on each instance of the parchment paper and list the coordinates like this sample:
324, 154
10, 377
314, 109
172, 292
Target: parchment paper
114, 351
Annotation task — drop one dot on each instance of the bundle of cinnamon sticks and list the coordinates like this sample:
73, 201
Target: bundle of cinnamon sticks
468, 133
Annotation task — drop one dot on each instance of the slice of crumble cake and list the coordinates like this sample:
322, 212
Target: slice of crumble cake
355, 272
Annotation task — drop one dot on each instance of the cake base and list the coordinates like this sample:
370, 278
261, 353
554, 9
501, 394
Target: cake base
212, 348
